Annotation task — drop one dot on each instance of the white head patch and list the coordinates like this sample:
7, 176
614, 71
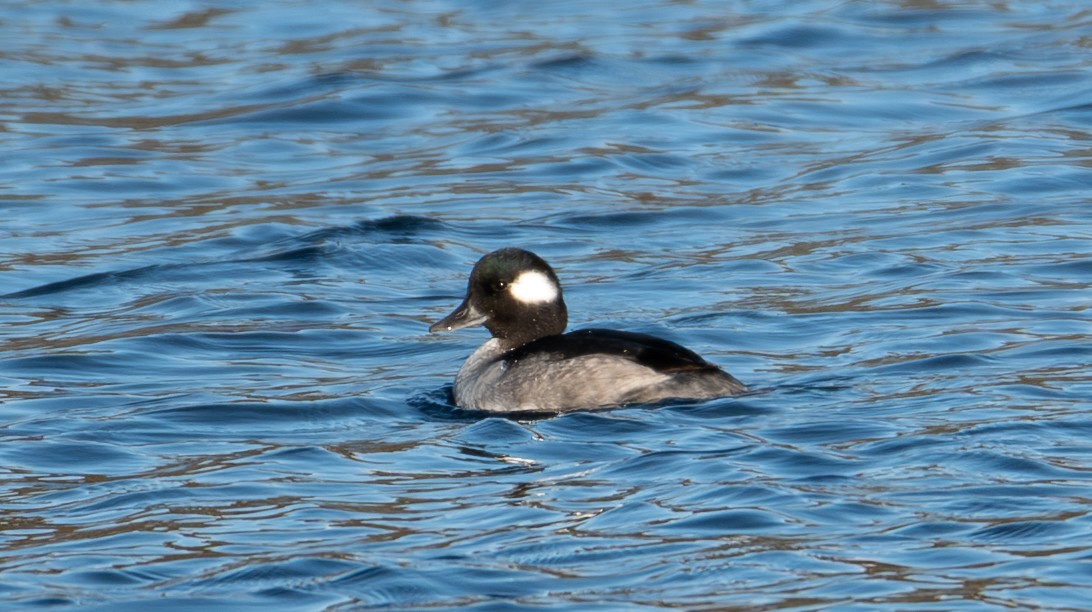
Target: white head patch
534, 288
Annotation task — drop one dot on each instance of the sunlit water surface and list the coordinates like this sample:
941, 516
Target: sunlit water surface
226, 227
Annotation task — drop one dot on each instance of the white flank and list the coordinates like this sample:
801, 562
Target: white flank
534, 288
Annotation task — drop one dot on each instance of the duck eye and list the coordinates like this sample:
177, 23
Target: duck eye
500, 285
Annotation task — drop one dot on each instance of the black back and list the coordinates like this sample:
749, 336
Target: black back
652, 352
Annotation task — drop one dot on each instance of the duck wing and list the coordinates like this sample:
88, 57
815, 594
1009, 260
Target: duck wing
652, 352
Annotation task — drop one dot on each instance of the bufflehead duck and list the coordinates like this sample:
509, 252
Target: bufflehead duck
531, 364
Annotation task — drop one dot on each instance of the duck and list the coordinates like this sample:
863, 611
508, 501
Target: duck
531, 364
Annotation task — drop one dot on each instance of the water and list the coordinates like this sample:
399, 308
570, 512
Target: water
226, 229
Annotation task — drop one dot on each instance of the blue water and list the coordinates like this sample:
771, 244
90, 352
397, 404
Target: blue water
225, 228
